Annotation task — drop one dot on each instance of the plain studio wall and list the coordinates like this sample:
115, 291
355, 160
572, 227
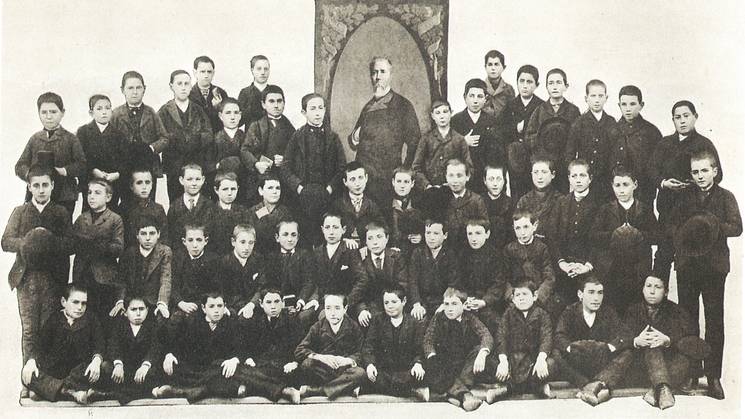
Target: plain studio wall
681, 50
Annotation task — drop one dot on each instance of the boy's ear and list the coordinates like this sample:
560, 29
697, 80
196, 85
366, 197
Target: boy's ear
535, 294
204, 309
343, 229
488, 233
535, 224
445, 235
276, 237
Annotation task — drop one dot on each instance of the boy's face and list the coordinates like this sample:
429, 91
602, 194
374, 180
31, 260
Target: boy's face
148, 237
394, 306
50, 115
101, 111
334, 308
181, 86
41, 188
204, 74
271, 191
441, 116
579, 178
133, 91
494, 181
654, 290
524, 229
230, 115
274, 104
624, 187
314, 111
591, 296
456, 177
97, 197
555, 86
287, 236
542, 175
192, 181
494, 68
272, 304
260, 71
376, 240
332, 230
136, 312
596, 98
142, 184
630, 107
684, 120
703, 173
75, 305
477, 236
402, 184
226, 191
434, 236
244, 243
355, 181
453, 307
214, 309
475, 99
523, 298
195, 241
526, 85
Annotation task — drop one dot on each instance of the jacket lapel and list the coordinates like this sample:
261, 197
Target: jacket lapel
171, 107
157, 255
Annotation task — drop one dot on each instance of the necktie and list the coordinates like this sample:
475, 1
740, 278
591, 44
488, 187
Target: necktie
191, 204
378, 260
357, 204
205, 94
213, 326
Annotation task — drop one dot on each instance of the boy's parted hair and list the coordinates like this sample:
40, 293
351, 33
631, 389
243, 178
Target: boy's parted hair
38, 170
333, 214
203, 59
529, 69
479, 222
146, 221
455, 292
268, 177
542, 157
285, 222
524, 283
140, 169
223, 175
102, 182
269, 290
431, 221
474, 84
403, 169
272, 88
494, 54
439, 102
352, 166
228, 101
216, 293
190, 166
256, 58
595, 82
686, 103
133, 297
458, 162
377, 225
623, 171
175, 73
342, 296
518, 214
50, 97
557, 71
705, 155
580, 162
95, 98
132, 75
194, 225
631, 90
588, 278
495, 166
307, 98
394, 289
243, 228
70, 288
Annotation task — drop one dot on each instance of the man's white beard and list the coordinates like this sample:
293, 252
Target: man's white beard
379, 89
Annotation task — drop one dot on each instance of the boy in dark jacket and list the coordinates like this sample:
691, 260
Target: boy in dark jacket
225, 214
140, 204
499, 206
356, 208
241, 272
265, 215
407, 221
204, 93
267, 138
191, 204
193, 272
542, 200
463, 206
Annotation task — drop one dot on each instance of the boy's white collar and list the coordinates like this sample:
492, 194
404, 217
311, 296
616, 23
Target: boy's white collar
231, 131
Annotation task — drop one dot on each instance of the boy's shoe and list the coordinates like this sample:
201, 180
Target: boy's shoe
421, 394
33, 396
603, 395
589, 393
194, 394
452, 400
78, 396
493, 394
649, 398
241, 391
715, 388
689, 386
665, 399
292, 394
438, 397
470, 402
24, 392
544, 391
356, 392
310, 391
96, 396
163, 392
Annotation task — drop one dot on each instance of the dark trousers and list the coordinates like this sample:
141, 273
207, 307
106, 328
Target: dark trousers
129, 390
455, 376
580, 369
695, 280
267, 380
522, 379
664, 366
49, 382
395, 382
208, 376
38, 297
335, 382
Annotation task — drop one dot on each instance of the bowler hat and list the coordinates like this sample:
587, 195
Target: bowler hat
230, 164
693, 347
697, 235
433, 202
313, 198
38, 244
45, 159
625, 239
517, 157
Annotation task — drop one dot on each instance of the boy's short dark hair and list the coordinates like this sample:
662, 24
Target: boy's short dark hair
395, 289
307, 98
595, 82
352, 166
529, 69
458, 162
665, 281
518, 214
95, 98
227, 101
403, 169
439, 102
50, 97
257, 58
631, 90
377, 225
145, 222
267, 177
203, 59
333, 214
474, 84
272, 88
193, 224
211, 294
343, 298
588, 278
134, 297
243, 228
70, 288
455, 292
38, 170
140, 169
284, 222
579, 162
102, 182
478, 222
686, 103
622, 171
494, 54
223, 175
132, 75
431, 221
557, 71
705, 155
542, 157
269, 290
495, 166
175, 73
524, 283
190, 166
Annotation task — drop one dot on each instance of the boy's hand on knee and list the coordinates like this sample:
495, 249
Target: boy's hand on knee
29, 371
418, 371
94, 370
480, 363
229, 366
503, 368
168, 363
372, 373
141, 373
162, 308
312, 304
250, 362
247, 311
118, 374
351, 244
541, 367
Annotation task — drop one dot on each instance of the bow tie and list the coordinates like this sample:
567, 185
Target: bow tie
316, 130
134, 110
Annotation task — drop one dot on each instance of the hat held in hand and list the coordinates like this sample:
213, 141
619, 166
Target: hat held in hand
697, 235
625, 239
230, 164
38, 245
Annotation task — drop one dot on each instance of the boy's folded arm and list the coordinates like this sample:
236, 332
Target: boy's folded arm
731, 225
77, 165
12, 240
